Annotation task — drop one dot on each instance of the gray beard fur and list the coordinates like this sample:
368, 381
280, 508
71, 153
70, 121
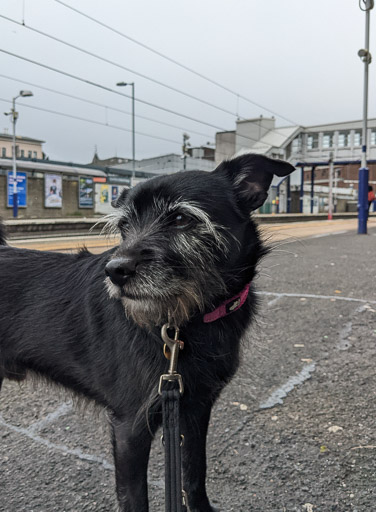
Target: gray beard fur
164, 296
174, 309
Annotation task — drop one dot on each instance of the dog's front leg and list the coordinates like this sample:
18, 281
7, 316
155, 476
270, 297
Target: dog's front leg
195, 421
131, 453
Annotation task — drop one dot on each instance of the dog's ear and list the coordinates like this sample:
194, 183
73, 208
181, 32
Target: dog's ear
119, 201
251, 176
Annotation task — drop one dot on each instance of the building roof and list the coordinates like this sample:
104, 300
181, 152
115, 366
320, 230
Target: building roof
29, 165
20, 138
276, 138
371, 122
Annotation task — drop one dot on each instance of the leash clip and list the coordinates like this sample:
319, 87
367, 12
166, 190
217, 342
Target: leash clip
171, 351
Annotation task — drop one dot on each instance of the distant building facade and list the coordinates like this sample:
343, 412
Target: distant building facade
49, 189
167, 164
109, 162
25, 147
309, 148
203, 152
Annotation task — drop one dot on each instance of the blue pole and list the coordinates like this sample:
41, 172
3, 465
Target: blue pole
312, 186
301, 190
365, 55
288, 195
15, 204
363, 201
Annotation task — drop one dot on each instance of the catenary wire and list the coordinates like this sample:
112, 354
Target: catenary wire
132, 71
54, 91
177, 63
114, 91
113, 63
93, 121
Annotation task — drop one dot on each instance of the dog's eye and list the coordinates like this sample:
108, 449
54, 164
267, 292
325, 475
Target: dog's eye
181, 221
122, 225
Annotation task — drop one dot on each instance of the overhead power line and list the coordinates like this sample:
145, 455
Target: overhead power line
90, 102
114, 91
92, 121
177, 63
113, 63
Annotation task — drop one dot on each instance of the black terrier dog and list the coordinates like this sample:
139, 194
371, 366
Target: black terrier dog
92, 323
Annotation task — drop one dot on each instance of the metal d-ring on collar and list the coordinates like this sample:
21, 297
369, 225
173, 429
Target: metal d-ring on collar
171, 352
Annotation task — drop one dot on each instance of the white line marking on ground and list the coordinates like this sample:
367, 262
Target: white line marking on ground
49, 418
274, 301
61, 448
329, 234
277, 396
311, 296
57, 447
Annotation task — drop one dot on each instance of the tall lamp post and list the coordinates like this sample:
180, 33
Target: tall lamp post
124, 84
366, 57
14, 114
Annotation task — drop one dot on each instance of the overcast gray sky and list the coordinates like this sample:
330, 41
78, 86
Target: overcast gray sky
295, 57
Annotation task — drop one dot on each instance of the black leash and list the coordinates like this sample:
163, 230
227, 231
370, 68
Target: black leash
172, 441
171, 388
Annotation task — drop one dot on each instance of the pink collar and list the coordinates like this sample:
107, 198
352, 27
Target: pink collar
229, 306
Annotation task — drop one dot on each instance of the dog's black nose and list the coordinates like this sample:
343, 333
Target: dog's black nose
120, 269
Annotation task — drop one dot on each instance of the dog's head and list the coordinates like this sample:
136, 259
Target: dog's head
188, 239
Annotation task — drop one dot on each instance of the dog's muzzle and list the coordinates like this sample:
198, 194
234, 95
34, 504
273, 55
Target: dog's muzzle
119, 270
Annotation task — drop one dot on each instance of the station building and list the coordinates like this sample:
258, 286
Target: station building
309, 150
51, 189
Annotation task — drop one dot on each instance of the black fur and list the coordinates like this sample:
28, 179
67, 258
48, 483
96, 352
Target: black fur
59, 321
2, 234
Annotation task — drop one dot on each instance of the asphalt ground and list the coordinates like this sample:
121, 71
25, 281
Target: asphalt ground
294, 431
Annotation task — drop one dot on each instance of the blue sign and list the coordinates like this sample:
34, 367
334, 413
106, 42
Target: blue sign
21, 189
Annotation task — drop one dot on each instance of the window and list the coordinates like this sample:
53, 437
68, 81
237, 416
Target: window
343, 139
29, 154
35, 154
327, 140
296, 145
22, 153
313, 141
357, 138
3, 152
373, 137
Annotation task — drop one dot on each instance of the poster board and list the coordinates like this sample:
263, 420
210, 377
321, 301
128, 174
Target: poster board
53, 191
85, 192
21, 189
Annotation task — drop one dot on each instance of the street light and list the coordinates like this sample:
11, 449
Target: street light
366, 57
186, 138
124, 84
14, 114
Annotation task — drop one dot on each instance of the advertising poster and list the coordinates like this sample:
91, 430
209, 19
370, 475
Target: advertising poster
104, 194
21, 189
86, 192
53, 194
115, 192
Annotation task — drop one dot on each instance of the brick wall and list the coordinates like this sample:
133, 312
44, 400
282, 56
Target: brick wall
35, 201
347, 174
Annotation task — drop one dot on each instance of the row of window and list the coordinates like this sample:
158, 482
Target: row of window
345, 139
20, 153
